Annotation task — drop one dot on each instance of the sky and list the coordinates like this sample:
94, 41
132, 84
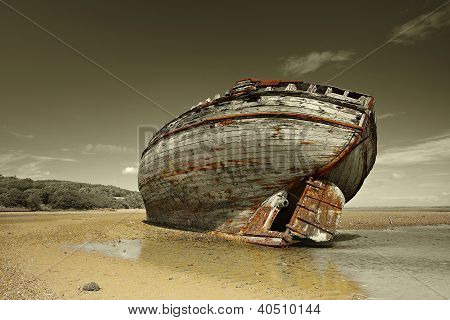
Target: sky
79, 77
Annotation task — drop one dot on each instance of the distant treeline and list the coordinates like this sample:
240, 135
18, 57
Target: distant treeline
63, 195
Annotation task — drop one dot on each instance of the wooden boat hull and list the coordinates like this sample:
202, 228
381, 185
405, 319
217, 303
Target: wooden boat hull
213, 167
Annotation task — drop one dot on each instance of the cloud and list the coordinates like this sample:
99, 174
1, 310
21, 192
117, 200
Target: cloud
398, 175
313, 61
20, 135
421, 27
129, 170
412, 175
427, 151
385, 116
45, 158
439, 174
105, 148
23, 165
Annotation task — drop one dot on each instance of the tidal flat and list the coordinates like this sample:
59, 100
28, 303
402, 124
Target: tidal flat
375, 255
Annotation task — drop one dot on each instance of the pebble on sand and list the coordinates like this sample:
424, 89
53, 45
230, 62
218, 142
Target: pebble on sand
91, 286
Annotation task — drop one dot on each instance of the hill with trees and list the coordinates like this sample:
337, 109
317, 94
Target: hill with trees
64, 195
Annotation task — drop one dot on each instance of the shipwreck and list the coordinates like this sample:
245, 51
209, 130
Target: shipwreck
271, 162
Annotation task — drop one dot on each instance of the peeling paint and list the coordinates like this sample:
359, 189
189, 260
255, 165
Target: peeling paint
216, 166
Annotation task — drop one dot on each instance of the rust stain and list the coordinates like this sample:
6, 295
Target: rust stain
279, 115
317, 211
315, 216
217, 148
257, 83
371, 103
235, 203
225, 122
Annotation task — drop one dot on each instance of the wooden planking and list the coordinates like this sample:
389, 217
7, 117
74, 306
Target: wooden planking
225, 181
294, 107
224, 220
203, 202
233, 164
350, 173
210, 180
219, 195
304, 132
211, 194
273, 115
290, 104
317, 212
265, 127
236, 146
202, 198
276, 155
252, 149
203, 185
299, 103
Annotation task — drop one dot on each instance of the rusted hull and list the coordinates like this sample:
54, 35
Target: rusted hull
213, 167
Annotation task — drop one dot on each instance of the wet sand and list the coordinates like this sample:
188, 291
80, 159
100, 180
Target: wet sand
52, 255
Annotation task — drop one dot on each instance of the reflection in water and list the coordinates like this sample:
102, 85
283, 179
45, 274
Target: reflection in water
125, 249
292, 268
293, 271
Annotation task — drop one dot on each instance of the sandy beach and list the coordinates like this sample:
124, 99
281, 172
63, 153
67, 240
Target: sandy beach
52, 255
